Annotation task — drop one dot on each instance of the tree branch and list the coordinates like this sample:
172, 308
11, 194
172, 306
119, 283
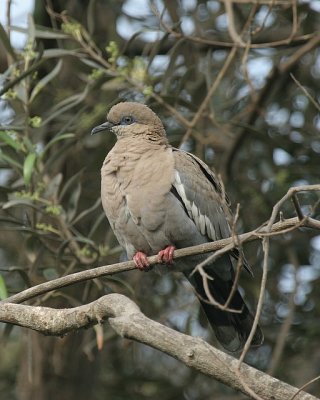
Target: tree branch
277, 229
128, 321
272, 229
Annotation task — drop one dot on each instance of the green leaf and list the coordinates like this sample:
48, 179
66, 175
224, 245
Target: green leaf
20, 202
24, 74
28, 167
96, 224
45, 80
55, 53
9, 160
28, 144
70, 185
57, 139
31, 29
42, 32
73, 201
87, 211
3, 289
91, 63
54, 34
6, 43
66, 105
52, 188
10, 140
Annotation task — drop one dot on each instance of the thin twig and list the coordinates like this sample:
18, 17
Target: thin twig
266, 247
8, 27
250, 391
304, 386
239, 265
231, 25
216, 82
297, 207
226, 45
211, 300
210, 93
305, 91
291, 61
294, 21
285, 327
262, 25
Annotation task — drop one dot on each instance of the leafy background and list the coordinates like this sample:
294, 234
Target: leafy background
259, 130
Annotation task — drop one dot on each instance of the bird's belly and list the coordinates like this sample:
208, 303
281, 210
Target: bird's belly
123, 224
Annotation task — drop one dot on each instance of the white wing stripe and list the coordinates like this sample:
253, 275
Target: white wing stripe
182, 193
195, 212
202, 222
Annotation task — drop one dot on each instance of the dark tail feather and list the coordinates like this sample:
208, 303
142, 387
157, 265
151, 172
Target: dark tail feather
231, 329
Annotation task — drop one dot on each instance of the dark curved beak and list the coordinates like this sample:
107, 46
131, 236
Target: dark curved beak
106, 126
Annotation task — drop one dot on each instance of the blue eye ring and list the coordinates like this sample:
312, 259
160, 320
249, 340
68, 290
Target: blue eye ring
127, 120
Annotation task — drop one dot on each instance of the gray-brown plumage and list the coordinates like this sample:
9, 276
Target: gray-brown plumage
158, 198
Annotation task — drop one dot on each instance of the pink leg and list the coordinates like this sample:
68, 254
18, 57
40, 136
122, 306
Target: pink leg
141, 261
166, 255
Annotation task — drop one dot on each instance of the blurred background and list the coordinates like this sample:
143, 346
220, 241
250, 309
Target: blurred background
236, 85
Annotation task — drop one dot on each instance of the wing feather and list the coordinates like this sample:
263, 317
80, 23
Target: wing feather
203, 199
201, 194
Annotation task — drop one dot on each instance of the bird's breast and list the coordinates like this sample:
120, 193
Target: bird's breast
135, 184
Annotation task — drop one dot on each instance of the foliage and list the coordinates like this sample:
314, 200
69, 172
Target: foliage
249, 110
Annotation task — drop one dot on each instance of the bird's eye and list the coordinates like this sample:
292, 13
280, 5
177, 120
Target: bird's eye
127, 120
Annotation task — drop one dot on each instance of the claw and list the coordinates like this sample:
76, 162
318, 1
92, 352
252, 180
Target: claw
141, 261
166, 255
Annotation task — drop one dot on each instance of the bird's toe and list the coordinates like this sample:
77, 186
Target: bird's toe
166, 255
141, 261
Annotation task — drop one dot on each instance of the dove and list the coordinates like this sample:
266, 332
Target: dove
158, 198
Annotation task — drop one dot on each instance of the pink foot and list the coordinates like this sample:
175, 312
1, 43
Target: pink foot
166, 255
141, 261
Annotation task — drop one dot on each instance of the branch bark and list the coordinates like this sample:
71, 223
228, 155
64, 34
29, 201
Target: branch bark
128, 321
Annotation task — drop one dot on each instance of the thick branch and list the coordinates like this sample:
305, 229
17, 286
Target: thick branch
128, 321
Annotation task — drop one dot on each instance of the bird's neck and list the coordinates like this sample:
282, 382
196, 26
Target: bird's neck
127, 153
144, 142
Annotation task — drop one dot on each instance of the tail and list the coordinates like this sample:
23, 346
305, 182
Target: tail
231, 329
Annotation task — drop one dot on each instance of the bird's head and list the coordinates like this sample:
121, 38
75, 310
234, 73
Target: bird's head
129, 119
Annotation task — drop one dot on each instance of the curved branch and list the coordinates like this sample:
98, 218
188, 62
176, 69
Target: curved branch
272, 229
277, 228
128, 321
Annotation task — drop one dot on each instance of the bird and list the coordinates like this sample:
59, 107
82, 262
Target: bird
158, 198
